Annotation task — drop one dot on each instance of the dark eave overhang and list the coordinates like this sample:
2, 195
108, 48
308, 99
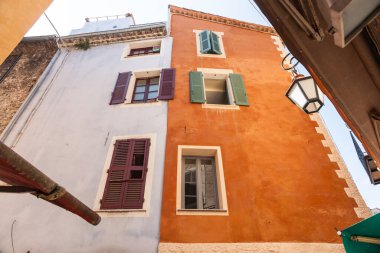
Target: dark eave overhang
349, 76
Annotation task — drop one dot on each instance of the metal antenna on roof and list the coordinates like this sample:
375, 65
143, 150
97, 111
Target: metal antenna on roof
59, 36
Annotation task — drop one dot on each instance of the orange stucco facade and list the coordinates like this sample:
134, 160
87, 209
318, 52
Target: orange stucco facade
16, 18
280, 184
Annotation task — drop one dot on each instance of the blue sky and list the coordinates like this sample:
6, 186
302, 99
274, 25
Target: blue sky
70, 14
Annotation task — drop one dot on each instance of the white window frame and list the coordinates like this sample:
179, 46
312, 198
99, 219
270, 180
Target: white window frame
220, 39
142, 44
131, 87
132, 83
199, 151
219, 74
144, 212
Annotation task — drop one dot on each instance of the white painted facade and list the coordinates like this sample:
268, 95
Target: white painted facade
67, 131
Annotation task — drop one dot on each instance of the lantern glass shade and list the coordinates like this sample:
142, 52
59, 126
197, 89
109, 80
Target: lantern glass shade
305, 93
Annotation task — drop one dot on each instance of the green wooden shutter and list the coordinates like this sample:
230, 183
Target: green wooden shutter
215, 43
197, 94
204, 39
238, 89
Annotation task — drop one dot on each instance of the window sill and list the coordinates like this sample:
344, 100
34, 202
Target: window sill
122, 212
155, 103
224, 107
141, 56
212, 55
207, 212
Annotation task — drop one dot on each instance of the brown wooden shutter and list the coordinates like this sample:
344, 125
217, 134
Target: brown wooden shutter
115, 185
135, 184
121, 87
127, 175
167, 81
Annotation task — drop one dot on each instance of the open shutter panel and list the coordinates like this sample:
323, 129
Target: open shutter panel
238, 89
215, 43
167, 84
197, 94
135, 186
115, 185
121, 87
204, 39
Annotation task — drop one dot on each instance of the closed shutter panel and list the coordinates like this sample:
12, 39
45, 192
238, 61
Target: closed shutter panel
196, 87
215, 43
115, 185
121, 87
204, 39
136, 175
167, 84
238, 89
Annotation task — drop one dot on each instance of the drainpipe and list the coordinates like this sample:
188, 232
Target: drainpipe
24, 177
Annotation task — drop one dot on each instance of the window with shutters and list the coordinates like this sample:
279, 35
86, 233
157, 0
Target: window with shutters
200, 181
126, 175
209, 43
142, 48
143, 87
217, 88
126, 178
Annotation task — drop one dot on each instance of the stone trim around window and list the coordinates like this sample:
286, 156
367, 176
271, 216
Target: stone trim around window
220, 34
214, 151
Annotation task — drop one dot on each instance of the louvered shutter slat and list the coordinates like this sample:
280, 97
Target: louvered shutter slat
134, 191
167, 82
215, 43
204, 40
196, 87
238, 89
115, 185
120, 91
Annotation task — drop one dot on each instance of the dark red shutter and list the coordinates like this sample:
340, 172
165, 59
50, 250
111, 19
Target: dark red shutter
167, 81
127, 175
115, 185
135, 185
121, 87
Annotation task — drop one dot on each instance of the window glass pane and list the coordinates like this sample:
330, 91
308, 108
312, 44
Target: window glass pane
190, 202
140, 89
136, 174
152, 95
141, 82
153, 87
208, 177
142, 51
138, 160
190, 179
139, 96
154, 80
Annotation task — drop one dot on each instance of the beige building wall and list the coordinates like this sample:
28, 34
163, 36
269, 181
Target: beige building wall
16, 18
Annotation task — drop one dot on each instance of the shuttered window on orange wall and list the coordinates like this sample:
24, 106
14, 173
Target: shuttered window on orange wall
127, 175
209, 42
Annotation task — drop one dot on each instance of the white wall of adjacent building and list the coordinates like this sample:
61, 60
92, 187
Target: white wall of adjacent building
67, 131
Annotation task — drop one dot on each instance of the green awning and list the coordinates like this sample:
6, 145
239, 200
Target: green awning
363, 237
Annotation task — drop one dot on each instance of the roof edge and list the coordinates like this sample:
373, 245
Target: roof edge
220, 19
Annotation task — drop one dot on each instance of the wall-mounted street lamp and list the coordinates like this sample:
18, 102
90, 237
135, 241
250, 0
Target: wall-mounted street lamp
303, 91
